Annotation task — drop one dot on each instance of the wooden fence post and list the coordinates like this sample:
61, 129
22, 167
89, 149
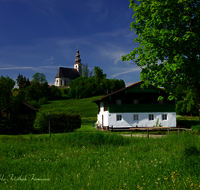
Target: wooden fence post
148, 133
168, 130
112, 128
178, 131
131, 133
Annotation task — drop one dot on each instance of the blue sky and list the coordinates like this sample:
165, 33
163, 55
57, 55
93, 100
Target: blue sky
40, 35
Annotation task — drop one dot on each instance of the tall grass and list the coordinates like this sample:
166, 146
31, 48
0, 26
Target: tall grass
96, 160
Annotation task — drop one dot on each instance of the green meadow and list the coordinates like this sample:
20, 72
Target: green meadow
96, 160
92, 159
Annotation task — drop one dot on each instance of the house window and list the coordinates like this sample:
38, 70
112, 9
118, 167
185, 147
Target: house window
164, 116
151, 117
135, 101
119, 117
57, 81
119, 102
135, 117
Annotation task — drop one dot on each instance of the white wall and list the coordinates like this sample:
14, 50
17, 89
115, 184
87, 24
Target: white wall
63, 81
143, 120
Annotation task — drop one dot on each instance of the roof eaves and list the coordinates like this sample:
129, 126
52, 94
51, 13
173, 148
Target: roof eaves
106, 96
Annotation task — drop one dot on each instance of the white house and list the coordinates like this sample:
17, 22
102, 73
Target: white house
134, 106
66, 75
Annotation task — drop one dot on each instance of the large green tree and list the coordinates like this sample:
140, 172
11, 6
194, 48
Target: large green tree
22, 82
169, 37
39, 77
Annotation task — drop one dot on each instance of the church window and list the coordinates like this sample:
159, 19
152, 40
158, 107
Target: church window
57, 81
60, 82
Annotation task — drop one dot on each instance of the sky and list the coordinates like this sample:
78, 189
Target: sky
40, 35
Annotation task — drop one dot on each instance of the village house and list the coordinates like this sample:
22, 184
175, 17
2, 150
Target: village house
24, 108
66, 75
134, 106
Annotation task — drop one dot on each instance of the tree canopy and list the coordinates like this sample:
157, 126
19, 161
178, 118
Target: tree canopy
169, 37
39, 77
22, 82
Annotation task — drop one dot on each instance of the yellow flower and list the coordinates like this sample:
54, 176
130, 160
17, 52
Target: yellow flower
88, 184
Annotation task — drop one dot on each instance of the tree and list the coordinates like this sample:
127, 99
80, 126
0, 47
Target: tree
22, 82
187, 103
39, 77
98, 73
169, 37
86, 72
6, 99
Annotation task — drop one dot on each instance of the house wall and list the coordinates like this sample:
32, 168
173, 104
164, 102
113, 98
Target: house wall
63, 81
143, 120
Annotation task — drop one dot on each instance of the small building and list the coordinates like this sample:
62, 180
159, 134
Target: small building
66, 75
24, 109
134, 106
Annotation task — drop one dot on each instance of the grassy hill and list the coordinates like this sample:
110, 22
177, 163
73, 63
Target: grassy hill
85, 107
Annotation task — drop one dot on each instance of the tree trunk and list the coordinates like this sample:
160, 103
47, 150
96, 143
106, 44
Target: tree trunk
197, 92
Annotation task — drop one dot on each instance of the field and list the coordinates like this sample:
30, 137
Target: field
92, 159
96, 160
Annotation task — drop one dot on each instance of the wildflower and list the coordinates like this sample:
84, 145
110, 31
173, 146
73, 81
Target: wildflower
124, 183
155, 159
160, 162
88, 184
155, 166
120, 161
158, 178
97, 161
156, 182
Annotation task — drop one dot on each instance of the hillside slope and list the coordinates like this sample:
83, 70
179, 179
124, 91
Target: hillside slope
85, 107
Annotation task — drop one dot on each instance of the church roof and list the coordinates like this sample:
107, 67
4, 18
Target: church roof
67, 73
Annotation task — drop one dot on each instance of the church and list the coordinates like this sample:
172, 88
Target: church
66, 75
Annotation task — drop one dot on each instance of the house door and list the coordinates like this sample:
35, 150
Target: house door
102, 121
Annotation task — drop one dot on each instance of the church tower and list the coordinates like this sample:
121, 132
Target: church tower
78, 64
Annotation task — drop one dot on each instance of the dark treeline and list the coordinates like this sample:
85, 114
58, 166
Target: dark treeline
97, 84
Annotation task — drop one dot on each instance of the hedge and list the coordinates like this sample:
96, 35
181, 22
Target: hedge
59, 123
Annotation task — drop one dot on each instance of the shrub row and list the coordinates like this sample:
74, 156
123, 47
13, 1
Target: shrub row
25, 124
59, 123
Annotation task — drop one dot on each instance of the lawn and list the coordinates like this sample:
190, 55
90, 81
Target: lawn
96, 160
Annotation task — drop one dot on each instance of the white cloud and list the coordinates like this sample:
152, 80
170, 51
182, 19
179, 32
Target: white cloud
30, 68
128, 71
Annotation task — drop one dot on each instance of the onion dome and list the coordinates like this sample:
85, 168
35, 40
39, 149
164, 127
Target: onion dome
77, 56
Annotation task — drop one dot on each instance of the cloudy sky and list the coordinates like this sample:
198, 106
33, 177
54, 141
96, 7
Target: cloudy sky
40, 35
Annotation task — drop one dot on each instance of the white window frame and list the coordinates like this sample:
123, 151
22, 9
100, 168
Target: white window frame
118, 102
164, 117
150, 117
119, 117
134, 117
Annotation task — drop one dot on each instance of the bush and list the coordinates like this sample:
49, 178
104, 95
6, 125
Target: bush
196, 128
59, 123
43, 100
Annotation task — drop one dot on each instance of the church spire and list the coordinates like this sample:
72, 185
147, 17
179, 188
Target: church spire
78, 64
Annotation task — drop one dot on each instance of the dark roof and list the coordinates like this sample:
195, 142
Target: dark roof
67, 73
25, 104
28, 105
140, 82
